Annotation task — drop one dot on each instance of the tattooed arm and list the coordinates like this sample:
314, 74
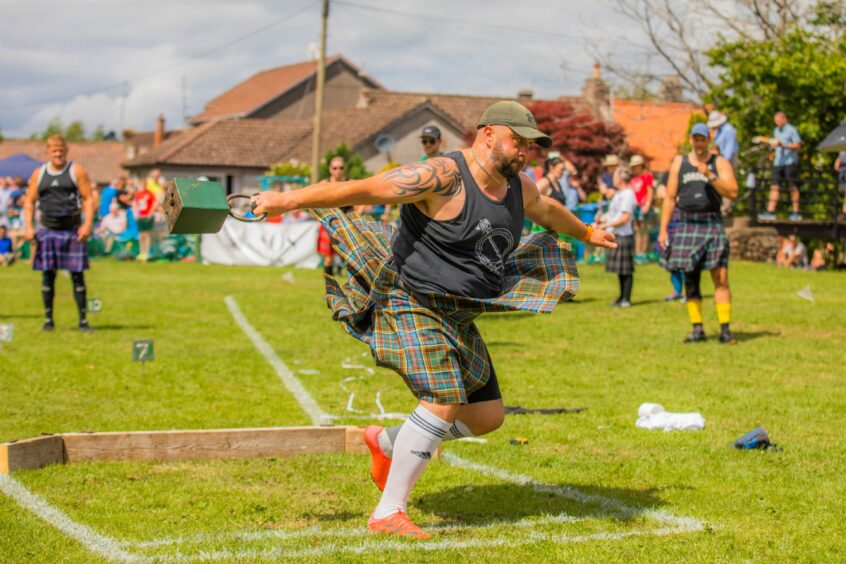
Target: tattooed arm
550, 214
417, 182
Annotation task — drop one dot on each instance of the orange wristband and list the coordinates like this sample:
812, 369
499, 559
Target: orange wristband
587, 235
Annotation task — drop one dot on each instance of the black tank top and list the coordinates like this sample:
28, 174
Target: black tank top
696, 194
58, 199
464, 256
556, 192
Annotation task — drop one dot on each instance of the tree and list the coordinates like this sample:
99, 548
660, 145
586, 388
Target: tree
681, 32
801, 72
580, 137
354, 165
75, 131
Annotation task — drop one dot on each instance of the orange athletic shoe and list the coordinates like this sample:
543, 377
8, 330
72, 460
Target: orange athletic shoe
398, 525
380, 464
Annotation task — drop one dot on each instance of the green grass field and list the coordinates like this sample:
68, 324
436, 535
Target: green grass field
587, 487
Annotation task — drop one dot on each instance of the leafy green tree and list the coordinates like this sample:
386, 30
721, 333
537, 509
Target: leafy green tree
801, 72
354, 165
99, 133
75, 131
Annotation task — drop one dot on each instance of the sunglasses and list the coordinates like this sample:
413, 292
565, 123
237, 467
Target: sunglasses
427, 141
336, 168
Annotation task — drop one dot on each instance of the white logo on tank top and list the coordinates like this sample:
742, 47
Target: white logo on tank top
491, 246
54, 183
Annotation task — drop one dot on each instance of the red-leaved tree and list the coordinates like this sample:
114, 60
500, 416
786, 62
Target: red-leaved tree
581, 138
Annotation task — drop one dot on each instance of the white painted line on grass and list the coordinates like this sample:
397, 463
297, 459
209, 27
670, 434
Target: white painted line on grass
98, 544
366, 547
317, 415
608, 504
348, 365
317, 531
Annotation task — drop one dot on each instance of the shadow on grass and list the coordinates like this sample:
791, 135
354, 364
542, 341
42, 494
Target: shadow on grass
578, 300
332, 517
743, 336
505, 344
119, 327
471, 505
22, 316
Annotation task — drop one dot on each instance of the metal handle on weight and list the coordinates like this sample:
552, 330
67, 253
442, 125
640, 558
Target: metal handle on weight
261, 217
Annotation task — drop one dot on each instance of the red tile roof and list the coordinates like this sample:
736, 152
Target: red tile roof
655, 128
101, 159
247, 143
464, 109
257, 143
354, 126
262, 87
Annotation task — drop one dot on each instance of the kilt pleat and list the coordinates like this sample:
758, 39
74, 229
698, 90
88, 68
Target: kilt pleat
60, 250
621, 259
431, 339
699, 243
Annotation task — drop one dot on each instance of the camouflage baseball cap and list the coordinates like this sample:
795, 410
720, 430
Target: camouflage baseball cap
518, 118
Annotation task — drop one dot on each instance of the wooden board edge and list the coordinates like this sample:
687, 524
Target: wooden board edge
31, 453
204, 444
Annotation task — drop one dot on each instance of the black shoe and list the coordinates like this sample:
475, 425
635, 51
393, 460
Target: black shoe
85, 328
695, 337
727, 338
615, 303
48, 326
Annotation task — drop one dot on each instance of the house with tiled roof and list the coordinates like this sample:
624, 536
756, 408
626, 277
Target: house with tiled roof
102, 159
268, 119
237, 151
288, 92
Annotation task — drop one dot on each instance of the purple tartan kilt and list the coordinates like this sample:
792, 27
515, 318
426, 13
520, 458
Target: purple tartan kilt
60, 250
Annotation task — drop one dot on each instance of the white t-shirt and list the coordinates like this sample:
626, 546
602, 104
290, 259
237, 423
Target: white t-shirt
622, 202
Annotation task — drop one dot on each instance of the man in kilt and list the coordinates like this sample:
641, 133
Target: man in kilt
696, 182
64, 196
414, 292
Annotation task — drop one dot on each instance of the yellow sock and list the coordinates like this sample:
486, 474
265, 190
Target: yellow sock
724, 313
694, 311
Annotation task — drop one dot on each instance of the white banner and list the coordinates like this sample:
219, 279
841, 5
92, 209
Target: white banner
262, 244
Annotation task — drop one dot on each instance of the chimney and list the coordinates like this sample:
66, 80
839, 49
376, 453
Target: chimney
525, 96
671, 89
159, 133
596, 95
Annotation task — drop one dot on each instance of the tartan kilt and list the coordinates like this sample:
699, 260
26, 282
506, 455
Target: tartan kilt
699, 243
431, 339
60, 250
621, 259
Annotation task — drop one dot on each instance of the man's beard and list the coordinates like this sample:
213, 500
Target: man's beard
509, 168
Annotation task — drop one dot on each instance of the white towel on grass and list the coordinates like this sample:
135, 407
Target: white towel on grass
653, 416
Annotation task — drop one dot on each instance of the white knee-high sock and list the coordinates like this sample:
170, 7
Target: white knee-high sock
417, 440
388, 436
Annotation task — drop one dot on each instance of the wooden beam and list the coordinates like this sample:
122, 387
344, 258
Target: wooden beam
204, 444
355, 442
31, 453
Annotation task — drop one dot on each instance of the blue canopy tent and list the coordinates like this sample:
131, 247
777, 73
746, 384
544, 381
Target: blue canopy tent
18, 165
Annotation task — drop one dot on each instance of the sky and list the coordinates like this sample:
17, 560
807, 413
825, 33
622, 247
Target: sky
121, 63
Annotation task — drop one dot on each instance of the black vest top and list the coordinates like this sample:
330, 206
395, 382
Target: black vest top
696, 194
58, 199
464, 256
